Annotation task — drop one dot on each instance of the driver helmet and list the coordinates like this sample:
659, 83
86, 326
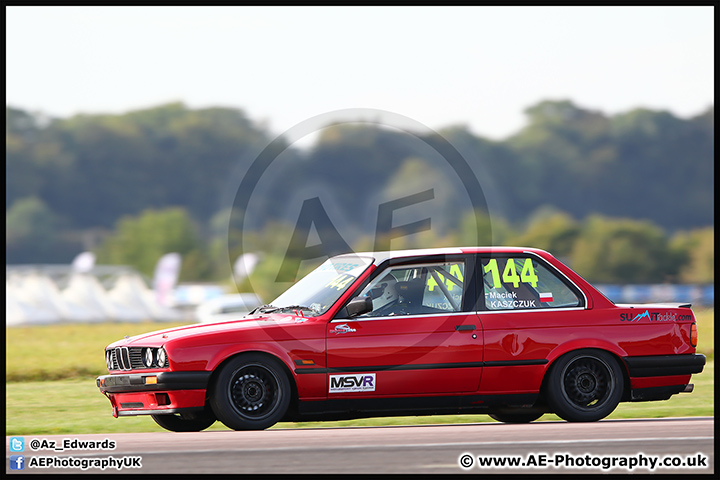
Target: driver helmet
389, 294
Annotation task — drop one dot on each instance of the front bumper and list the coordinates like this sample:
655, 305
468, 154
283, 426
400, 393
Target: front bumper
152, 382
155, 393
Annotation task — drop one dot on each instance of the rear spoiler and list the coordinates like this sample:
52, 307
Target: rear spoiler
655, 305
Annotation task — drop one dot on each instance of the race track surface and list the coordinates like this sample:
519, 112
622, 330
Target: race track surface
685, 445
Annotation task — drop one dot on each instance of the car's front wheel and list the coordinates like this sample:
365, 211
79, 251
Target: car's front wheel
186, 422
584, 386
250, 392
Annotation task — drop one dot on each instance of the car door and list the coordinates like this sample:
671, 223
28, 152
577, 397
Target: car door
527, 308
422, 337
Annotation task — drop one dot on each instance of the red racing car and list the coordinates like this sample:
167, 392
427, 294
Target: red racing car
510, 332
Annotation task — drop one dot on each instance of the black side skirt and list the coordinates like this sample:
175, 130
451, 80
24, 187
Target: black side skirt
350, 408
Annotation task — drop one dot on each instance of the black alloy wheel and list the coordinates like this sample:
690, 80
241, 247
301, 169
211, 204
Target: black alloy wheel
251, 392
585, 385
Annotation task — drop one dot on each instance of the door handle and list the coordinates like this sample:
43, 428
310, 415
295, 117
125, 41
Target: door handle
461, 328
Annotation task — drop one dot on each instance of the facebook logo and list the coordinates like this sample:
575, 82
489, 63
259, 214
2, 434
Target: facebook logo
17, 462
17, 444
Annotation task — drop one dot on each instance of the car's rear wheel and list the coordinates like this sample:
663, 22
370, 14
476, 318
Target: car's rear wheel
186, 422
520, 416
250, 392
584, 386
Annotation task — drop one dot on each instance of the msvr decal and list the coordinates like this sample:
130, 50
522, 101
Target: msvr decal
363, 382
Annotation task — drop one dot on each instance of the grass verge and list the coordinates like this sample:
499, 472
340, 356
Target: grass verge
54, 352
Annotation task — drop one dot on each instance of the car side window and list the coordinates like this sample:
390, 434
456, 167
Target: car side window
417, 290
517, 283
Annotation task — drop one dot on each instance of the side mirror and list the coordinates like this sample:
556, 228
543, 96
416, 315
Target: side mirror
358, 306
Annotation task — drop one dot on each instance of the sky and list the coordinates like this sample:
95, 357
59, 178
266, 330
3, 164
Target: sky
480, 67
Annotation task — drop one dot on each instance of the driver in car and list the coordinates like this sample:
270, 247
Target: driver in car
385, 297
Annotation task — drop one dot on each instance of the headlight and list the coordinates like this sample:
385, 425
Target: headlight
108, 359
148, 357
161, 357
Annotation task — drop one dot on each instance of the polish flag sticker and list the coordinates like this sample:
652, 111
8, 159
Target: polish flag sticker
546, 297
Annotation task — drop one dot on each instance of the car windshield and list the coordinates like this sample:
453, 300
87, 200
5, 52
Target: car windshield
319, 290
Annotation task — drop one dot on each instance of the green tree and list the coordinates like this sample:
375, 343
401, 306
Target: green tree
33, 160
611, 250
356, 162
698, 247
499, 171
664, 171
417, 176
551, 230
638, 164
141, 241
491, 230
561, 152
91, 170
154, 158
34, 234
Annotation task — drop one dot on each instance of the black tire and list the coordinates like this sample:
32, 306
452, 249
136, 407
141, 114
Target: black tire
250, 392
520, 416
584, 386
186, 422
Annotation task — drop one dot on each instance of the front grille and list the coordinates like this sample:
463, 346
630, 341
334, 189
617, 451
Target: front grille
136, 359
130, 358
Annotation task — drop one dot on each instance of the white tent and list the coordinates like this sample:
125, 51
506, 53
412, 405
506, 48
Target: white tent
35, 299
138, 300
85, 290
20, 311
